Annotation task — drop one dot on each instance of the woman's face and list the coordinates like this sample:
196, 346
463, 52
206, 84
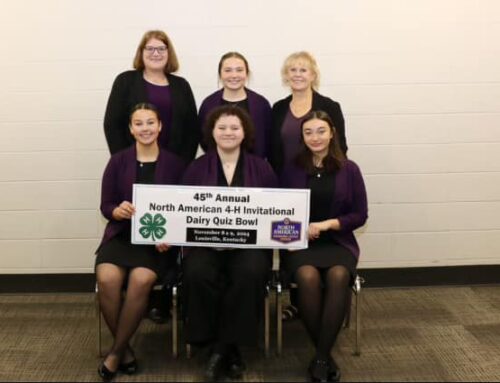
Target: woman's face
145, 126
155, 54
317, 136
228, 133
300, 76
233, 73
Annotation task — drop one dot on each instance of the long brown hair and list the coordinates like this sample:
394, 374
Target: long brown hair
333, 160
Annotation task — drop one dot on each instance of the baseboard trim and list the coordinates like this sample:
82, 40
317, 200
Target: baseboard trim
47, 283
431, 276
388, 277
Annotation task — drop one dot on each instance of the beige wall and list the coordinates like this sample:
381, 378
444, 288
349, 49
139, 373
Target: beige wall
418, 81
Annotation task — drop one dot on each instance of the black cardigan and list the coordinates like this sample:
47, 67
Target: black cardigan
319, 102
128, 90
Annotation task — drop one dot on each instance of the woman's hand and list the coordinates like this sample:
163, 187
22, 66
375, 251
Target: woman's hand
123, 211
315, 228
162, 247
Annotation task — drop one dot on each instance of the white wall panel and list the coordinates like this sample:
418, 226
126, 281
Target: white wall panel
52, 166
75, 254
423, 129
20, 225
30, 136
19, 256
418, 83
55, 195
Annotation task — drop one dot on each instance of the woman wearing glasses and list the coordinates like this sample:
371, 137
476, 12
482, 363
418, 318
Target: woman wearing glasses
152, 81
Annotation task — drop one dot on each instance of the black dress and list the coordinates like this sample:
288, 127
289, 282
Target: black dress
322, 252
121, 252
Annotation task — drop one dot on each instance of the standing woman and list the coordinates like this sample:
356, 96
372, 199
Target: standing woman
233, 73
152, 81
326, 269
119, 262
224, 288
301, 73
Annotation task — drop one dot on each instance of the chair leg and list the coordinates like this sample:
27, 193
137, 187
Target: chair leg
357, 351
266, 323
98, 321
175, 329
348, 303
279, 319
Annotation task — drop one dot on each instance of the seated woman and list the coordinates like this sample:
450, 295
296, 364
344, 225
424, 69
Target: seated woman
119, 262
224, 288
326, 269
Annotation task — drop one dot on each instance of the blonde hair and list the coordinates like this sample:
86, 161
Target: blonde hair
172, 62
301, 56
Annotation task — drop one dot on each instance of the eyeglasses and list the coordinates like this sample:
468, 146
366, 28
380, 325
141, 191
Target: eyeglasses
151, 50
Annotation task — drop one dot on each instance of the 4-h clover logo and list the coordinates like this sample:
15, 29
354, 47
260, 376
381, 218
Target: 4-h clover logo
153, 226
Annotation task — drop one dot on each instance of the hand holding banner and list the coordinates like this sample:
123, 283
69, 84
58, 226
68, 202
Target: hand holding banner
220, 216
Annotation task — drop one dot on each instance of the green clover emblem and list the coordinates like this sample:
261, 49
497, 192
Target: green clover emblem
153, 226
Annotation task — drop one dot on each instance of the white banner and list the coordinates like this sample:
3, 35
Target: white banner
220, 216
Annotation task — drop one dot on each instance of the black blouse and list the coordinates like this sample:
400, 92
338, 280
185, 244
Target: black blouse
322, 186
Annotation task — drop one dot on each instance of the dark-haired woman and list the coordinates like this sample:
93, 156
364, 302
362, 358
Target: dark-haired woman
224, 288
233, 73
325, 271
119, 262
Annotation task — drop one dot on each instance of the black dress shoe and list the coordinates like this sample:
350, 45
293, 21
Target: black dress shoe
235, 365
318, 370
129, 368
333, 371
158, 316
106, 374
215, 367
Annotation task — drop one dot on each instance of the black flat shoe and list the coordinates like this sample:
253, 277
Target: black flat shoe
129, 368
333, 371
235, 365
105, 374
318, 370
215, 367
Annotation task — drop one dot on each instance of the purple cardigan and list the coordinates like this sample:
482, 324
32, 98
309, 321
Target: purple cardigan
256, 172
260, 112
120, 175
349, 202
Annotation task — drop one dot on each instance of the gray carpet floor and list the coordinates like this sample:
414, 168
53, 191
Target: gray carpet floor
411, 334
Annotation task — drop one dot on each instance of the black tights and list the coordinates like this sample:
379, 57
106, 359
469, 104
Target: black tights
322, 299
122, 318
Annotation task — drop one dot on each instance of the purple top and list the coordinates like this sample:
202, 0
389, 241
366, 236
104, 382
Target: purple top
260, 113
349, 202
290, 136
119, 176
256, 172
161, 97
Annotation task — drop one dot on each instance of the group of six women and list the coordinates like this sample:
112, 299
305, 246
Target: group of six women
153, 131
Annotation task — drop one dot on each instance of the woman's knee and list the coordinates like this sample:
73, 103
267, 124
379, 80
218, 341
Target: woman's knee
142, 279
308, 275
109, 276
338, 276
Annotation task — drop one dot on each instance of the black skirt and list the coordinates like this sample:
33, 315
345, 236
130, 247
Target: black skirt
121, 252
321, 254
